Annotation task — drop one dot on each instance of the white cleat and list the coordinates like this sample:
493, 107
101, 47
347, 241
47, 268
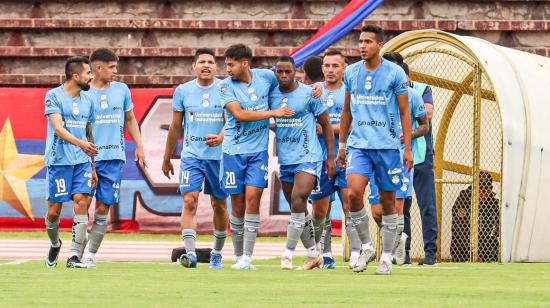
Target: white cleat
245, 263
364, 258
352, 260
237, 260
286, 263
384, 268
311, 263
90, 262
400, 250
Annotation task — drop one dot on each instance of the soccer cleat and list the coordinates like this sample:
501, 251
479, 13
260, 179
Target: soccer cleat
365, 257
400, 250
286, 263
311, 263
215, 261
74, 262
328, 263
428, 262
90, 262
384, 268
245, 263
352, 260
188, 260
237, 260
51, 259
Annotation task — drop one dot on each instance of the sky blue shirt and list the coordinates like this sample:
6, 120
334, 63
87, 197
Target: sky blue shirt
76, 113
203, 115
417, 110
110, 106
374, 108
296, 136
334, 100
247, 137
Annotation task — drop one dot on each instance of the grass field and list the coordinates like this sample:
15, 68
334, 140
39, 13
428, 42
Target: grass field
167, 284
28, 283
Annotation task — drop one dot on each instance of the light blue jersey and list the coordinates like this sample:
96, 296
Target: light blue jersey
417, 110
374, 108
334, 100
247, 137
296, 136
203, 115
110, 106
76, 113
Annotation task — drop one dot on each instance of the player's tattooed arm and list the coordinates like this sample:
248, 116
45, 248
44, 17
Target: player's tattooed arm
90, 137
133, 130
328, 134
86, 146
213, 140
173, 133
422, 129
345, 124
242, 115
406, 124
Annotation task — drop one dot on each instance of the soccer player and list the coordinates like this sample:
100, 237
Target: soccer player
420, 128
300, 154
70, 115
333, 67
244, 95
376, 105
113, 108
197, 103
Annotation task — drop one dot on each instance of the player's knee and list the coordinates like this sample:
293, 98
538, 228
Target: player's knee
252, 202
101, 209
377, 213
190, 203
355, 196
219, 206
298, 201
53, 215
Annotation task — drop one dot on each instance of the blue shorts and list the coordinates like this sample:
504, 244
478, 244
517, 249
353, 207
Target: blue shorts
242, 170
384, 165
341, 180
194, 172
109, 176
326, 186
404, 192
68, 180
287, 172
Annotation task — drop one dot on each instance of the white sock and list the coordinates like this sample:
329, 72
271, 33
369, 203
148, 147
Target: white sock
90, 255
288, 253
386, 256
216, 251
328, 255
354, 254
312, 252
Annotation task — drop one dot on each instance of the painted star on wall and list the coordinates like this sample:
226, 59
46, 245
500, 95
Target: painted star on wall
15, 170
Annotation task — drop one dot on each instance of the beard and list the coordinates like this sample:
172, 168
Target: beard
84, 86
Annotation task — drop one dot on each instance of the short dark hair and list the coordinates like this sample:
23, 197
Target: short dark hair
377, 30
405, 67
203, 51
394, 56
313, 68
103, 55
286, 59
73, 65
335, 52
238, 52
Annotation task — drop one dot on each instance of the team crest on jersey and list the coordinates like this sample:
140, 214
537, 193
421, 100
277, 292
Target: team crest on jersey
49, 103
205, 100
103, 103
76, 109
284, 102
395, 179
368, 83
252, 94
330, 100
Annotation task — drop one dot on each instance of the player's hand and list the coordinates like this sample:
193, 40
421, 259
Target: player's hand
88, 148
140, 157
283, 112
330, 165
94, 178
341, 158
213, 140
167, 168
317, 92
408, 160
319, 129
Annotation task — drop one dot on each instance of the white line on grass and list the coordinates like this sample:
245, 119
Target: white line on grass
15, 262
